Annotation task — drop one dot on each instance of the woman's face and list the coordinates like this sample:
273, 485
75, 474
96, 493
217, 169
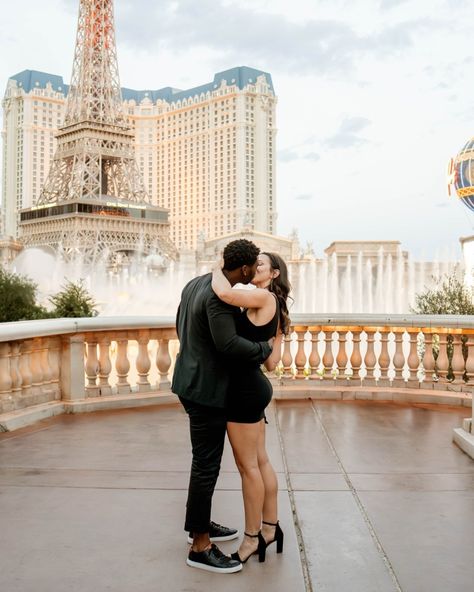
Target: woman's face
264, 271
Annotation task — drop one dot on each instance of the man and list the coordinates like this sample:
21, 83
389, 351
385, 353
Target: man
208, 342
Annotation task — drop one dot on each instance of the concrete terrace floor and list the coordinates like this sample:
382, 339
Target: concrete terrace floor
383, 501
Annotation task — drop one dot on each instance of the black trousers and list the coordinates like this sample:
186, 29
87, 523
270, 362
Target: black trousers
207, 426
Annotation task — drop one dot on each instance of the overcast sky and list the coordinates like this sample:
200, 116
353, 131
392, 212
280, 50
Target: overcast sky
374, 97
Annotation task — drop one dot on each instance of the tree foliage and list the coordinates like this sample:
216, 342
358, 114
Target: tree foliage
73, 301
448, 296
18, 298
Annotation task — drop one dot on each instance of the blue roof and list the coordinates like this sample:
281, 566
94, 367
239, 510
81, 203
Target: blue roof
240, 76
29, 79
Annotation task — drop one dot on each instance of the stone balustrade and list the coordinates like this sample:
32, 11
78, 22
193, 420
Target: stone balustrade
72, 365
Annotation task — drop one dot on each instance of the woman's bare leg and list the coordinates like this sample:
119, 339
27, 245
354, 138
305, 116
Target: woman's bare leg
243, 438
270, 481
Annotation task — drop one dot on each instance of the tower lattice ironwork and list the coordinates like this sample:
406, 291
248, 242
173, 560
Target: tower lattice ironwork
94, 199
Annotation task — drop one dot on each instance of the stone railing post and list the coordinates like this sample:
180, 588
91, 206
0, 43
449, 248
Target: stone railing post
470, 360
341, 357
442, 362
300, 357
15, 369
143, 361
72, 368
163, 363
314, 357
5, 374
457, 362
105, 365
428, 360
286, 358
6, 383
398, 358
92, 367
356, 357
370, 359
122, 364
384, 358
328, 356
35, 365
413, 360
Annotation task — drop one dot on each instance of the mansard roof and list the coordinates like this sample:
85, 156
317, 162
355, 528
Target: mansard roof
240, 76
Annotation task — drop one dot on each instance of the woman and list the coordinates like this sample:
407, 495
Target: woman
264, 315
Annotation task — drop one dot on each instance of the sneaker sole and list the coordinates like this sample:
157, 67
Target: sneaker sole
229, 537
223, 570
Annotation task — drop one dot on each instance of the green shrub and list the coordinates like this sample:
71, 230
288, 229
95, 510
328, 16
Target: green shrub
448, 296
18, 299
73, 301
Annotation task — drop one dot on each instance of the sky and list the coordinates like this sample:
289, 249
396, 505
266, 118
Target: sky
374, 98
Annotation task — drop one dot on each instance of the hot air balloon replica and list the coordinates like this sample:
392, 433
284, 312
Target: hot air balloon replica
461, 174
461, 180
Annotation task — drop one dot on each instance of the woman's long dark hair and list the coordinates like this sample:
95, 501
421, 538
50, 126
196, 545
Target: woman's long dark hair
281, 287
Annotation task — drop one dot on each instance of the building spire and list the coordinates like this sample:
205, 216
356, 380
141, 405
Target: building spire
94, 93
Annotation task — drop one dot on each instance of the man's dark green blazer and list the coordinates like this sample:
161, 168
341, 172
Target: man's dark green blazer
208, 344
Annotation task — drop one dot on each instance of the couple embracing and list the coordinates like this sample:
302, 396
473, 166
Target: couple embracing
225, 335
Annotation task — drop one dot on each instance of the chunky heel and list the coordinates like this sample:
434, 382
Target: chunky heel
262, 548
278, 538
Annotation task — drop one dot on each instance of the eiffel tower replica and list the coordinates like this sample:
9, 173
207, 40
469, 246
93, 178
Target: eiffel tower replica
93, 204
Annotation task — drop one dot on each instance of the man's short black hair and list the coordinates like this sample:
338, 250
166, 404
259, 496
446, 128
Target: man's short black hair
240, 252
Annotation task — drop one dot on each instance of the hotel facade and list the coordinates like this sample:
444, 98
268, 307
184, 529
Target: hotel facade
207, 154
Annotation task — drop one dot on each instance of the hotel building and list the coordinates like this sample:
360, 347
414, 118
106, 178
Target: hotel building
206, 154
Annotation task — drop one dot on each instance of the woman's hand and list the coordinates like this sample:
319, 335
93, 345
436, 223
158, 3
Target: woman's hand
272, 361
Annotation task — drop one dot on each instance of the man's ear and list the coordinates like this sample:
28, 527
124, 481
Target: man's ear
244, 270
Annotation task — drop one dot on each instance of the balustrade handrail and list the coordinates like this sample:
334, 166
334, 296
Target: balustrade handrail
49, 327
381, 320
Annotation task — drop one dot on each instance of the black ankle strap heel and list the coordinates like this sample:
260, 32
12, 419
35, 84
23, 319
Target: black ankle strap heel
278, 535
260, 550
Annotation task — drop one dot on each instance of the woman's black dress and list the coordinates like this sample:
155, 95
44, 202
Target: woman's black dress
250, 390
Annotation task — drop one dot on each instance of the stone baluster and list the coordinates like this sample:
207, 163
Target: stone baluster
442, 362
7, 402
105, 365
35, 365
341, 357
286, 358
15, 368
328, 357
46, 367
384, 358
314, 357
428, 361
143, 361
470, 361
398, 358
370, 359
457, 362
300, 357
163, 363
122, 364
25, 369
413, 359
54, 360
5, 374
356, 357
92, 368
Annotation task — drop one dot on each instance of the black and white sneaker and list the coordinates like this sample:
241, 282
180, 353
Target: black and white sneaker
218, 533
213, 560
